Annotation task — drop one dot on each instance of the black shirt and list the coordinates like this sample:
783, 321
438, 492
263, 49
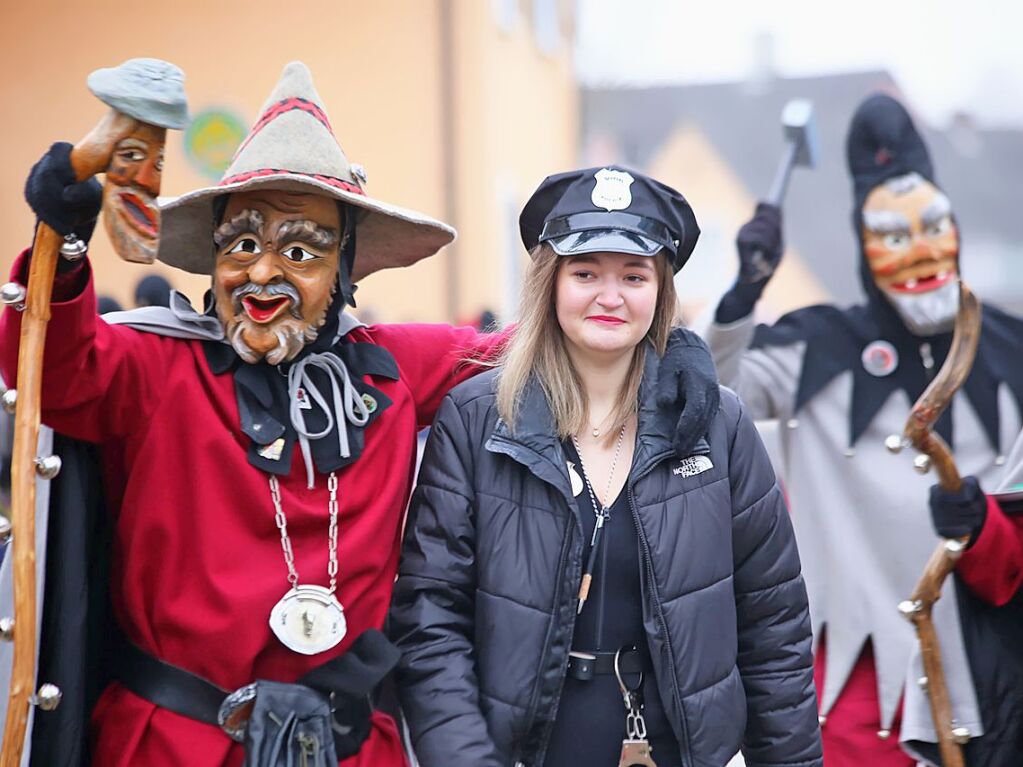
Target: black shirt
590, 723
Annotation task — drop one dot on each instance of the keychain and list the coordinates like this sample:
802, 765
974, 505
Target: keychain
636, 750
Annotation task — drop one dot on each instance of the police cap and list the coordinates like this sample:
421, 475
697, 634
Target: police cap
609, 209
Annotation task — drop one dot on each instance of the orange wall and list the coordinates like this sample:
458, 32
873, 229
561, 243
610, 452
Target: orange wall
518, 122
377, 67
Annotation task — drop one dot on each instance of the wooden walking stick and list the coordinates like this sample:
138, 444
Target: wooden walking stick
146, 97
934, 450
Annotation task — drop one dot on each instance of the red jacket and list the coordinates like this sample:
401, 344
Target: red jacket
197, 562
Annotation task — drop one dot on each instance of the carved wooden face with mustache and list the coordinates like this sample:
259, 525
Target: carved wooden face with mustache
276, 270
132, 183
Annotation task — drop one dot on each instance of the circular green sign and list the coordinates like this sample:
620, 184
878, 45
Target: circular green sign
211, 140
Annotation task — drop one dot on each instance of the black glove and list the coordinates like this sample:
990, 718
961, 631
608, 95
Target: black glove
67, 205
960, 514
686, 378
760, 246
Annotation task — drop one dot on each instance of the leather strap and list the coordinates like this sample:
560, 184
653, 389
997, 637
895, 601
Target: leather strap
168, 686
352, 676
585, 665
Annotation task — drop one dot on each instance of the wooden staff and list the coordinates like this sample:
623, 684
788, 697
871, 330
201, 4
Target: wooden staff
118, 88
934, 450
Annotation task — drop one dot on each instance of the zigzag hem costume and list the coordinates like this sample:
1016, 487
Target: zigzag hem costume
861, 513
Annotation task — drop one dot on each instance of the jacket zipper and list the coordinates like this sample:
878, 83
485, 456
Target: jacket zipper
535, 698
562, 567
649, 566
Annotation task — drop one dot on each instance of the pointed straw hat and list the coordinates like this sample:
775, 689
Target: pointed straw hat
292, 148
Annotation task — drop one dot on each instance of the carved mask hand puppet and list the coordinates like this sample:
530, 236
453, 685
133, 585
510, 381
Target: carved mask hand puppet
911, 245
276, 270
132, 183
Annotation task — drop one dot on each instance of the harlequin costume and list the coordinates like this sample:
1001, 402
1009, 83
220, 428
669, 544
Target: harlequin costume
840, 381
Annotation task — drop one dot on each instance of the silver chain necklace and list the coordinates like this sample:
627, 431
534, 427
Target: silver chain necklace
602, 512
600, 509
308, 619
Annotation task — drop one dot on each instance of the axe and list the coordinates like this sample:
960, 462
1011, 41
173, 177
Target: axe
800, 128
146, 97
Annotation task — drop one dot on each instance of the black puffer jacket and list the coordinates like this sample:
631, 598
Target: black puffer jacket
485, 602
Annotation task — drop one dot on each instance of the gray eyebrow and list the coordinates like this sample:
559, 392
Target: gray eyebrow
885, 221
308, 232
246, 222
937, 210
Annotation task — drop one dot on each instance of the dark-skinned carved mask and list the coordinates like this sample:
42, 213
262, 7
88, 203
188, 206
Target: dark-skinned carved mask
911, 245
286, 235
276, 271
132, 184
289, 226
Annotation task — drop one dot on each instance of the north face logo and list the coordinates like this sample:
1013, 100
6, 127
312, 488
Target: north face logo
693, 465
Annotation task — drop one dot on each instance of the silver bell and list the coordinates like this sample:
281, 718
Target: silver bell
10, 400
954, 546
13, 294
5, 530
894, 443
961, 735
922, 683
909, 608
73, 247
48, 697
48, 467
884, 734
7, 629
922, 463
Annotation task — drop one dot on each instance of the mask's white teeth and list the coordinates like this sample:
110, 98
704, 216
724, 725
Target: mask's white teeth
942, 275
911, 283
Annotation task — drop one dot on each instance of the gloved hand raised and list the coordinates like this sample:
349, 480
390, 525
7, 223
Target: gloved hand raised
686, 377
67, 205
959, 514
760, 247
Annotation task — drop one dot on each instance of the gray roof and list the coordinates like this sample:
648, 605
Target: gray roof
980, 170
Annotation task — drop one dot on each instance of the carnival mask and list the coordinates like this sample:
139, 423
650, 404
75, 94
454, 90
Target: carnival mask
276, 270
132, 183
912, 247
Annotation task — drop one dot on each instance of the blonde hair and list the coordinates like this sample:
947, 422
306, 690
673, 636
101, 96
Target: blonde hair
538, 348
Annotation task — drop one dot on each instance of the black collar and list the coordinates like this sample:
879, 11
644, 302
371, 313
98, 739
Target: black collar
836, 338
261, 391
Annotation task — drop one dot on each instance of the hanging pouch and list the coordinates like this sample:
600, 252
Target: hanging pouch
290, 726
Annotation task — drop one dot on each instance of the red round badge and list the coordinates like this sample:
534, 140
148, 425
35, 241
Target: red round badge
880, 358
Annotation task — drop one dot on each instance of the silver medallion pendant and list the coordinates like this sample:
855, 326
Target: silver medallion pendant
309, 620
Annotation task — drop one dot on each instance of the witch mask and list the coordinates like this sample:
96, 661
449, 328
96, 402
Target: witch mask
276, 270
912, 247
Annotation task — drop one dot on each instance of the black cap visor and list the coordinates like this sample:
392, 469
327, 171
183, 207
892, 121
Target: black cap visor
613, 232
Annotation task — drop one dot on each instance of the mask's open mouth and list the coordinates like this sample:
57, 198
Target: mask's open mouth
264, 310
139, 214
923, 284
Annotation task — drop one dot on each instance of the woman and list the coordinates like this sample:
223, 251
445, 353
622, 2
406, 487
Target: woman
562, 527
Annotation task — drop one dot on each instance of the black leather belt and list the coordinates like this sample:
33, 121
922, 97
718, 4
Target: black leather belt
169, 686
586, 665
348, 679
